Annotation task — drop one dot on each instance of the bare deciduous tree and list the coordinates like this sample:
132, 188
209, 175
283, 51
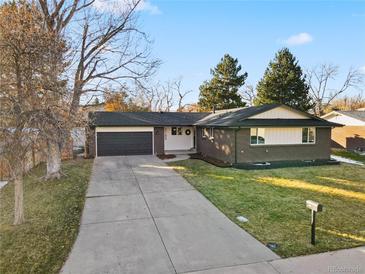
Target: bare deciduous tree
106, 47
59, 13
319, 78
163, 96
112, 50
347, 103
248, 95
25, 48
181, 95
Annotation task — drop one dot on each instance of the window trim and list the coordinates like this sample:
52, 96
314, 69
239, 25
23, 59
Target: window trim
297, 144
257, 132
314, 136
177, 131
203, 133
210, 133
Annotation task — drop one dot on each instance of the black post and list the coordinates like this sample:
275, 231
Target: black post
313, 223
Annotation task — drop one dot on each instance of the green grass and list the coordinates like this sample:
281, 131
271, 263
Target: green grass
349, 154
52, 212
274, 202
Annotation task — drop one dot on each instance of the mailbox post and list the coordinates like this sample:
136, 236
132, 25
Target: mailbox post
314, 207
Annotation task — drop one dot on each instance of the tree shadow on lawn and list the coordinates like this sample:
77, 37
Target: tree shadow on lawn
274, 203
300, 184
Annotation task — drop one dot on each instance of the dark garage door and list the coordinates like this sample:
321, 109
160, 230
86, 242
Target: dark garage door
124, 143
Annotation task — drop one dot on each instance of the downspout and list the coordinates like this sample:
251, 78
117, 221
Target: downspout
235, 146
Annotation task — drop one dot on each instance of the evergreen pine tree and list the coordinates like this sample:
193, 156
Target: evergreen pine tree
222, 90
284, 83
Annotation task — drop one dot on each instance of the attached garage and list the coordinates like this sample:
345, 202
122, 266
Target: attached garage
139, 133
124, 141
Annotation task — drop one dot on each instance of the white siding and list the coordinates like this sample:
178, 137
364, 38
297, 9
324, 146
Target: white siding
280, 113
283, 136
179, 142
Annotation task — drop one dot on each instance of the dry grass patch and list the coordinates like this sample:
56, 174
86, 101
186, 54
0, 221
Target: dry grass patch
52, 211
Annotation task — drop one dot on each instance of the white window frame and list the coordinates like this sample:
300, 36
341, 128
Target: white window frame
311, 131
179, 131
314, 135
257, 135
203, 133
210, 133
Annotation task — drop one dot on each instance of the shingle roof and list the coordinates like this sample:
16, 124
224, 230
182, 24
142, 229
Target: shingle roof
231, 117
240, 118
223, 118
104, 118
357, 114
286, 123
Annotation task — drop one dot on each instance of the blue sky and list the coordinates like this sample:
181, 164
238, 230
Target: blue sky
190, 37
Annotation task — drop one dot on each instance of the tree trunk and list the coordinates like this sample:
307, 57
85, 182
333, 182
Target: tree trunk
75, 103
19, 197
318, 110
53, 160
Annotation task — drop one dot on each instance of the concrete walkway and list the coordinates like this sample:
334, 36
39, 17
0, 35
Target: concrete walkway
349, 261
346, 160
141, 216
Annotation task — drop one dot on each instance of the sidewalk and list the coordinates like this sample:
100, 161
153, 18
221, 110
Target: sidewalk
341, 261
346, 160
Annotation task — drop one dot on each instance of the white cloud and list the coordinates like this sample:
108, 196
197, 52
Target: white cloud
358, 14
118, 6
149, 7
299, 39
362, 69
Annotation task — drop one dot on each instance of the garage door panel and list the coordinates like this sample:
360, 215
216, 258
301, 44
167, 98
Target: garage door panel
124, 143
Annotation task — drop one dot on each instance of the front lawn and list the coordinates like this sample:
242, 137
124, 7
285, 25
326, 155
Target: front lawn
52, 212
349, 154
274, 202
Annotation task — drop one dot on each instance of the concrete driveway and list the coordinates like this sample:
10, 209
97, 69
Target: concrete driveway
141, 216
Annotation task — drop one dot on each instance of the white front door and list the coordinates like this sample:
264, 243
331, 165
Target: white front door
179, 138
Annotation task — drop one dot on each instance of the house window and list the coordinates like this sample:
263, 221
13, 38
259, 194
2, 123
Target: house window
176, 131
257, 136
308, 135
207, 132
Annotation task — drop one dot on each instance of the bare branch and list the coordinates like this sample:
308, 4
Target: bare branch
318, 79
248, 95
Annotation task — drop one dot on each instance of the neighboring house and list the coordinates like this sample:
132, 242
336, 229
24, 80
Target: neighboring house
78, 133
33, 156
244, 135
352, 135
92, 108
